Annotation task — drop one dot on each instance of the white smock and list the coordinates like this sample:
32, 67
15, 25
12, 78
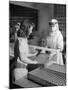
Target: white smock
55, 41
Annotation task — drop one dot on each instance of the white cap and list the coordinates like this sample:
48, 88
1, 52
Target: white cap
54, 21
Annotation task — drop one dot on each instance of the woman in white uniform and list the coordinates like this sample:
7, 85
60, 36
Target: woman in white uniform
22, 54
55, 42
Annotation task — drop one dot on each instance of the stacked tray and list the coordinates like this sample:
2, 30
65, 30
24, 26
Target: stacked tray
48, 77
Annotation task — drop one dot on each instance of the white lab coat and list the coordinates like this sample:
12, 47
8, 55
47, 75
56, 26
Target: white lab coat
55, 41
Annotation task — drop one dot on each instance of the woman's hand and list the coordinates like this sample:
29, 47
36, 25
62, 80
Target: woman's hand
33, 54
36, 52
34, 62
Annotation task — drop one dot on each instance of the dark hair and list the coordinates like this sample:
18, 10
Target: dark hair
23, 31
24, 28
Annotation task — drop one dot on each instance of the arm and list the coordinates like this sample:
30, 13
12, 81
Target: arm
30, 54
24, 58
60, 43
